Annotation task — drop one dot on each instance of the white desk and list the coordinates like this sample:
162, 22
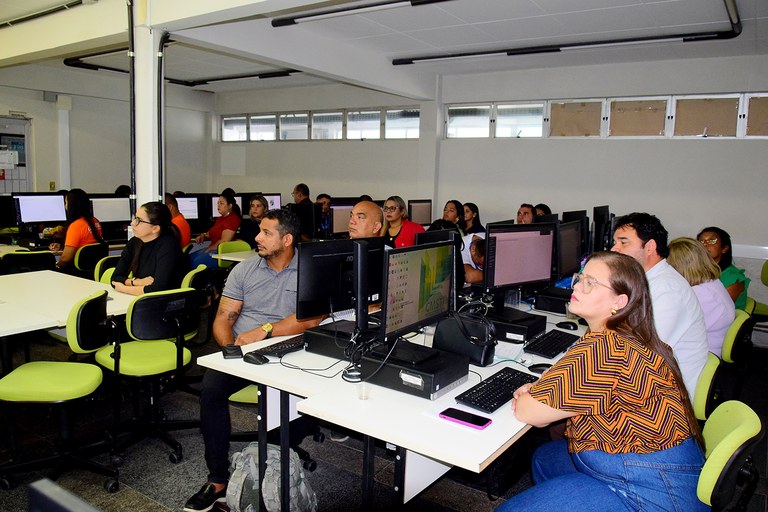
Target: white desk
235, 256
10, 248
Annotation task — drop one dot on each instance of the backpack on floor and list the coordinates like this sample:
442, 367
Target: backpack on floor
243, 487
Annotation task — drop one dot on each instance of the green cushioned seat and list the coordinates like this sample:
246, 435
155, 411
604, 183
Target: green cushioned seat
142, 358
247, 395
50, 381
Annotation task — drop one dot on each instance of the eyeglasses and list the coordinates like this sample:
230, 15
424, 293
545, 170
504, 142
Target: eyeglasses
138, 220
711, 241
587, 283
391, 208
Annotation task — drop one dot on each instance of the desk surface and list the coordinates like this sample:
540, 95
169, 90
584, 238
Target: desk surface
52, 294
15, 320
234, 256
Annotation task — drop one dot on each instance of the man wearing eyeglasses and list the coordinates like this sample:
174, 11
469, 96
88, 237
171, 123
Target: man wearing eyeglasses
677, 314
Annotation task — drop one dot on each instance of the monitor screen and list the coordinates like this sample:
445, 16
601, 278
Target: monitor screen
569, 251
39, 207
573, 215
517, 254
340, 217
7, 211
326, 279
420, 211
188, 207
215, 205
111, 209
418, 288
601, 217
441, 235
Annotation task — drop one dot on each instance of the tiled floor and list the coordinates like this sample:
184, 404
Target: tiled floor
149, 482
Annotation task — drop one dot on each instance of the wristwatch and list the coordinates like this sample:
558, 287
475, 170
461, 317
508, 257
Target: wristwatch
267, 329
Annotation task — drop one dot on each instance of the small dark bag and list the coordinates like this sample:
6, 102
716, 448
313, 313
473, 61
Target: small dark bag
468, 334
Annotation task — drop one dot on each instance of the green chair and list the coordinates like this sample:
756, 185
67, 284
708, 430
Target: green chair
102, 266
151, 362
202, 280
187, 248
87, 257
231, 246
729, 478
759, 311
26, 261
737, 348
708, 394
58, 385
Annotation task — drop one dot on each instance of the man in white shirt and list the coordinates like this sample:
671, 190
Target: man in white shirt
677, 315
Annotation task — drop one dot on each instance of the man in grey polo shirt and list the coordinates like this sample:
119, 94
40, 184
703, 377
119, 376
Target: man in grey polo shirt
259, 301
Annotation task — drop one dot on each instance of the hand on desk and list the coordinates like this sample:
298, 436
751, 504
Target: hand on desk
251, 336
522, 390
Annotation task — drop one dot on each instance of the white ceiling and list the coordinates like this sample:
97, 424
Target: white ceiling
467, 26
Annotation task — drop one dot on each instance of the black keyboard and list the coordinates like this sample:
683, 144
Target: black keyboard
496, 390
283, 347
551, 344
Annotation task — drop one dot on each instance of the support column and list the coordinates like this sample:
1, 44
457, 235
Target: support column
63, 106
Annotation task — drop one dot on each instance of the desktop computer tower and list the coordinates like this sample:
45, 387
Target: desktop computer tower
516, 326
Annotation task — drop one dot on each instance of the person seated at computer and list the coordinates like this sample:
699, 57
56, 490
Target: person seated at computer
694, 263
178, 219
223, 230
398, 230
326, 222
123, 191
542, 209
525, 213
472, 219
152, 260
473, 257
632, 441
365, 220
717, 242
249, 227
453, 214
82, 227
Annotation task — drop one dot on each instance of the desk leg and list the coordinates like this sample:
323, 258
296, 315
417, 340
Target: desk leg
400, 456
6, 356
369, 460
262, 409
285, 451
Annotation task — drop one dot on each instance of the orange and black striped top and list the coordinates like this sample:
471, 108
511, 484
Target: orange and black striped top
625, 396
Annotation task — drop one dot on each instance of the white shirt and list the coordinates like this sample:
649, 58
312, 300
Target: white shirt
679, 321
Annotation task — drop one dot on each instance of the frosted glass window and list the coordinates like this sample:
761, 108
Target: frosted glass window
233, 128
327, 125
263, 127
294, 126
364, 124
468, 121
522, 120
402, 124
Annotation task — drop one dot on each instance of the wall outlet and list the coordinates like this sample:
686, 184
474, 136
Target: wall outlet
52, 186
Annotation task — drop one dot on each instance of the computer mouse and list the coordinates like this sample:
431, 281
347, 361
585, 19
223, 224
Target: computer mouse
255, 358
571, 326
539, 368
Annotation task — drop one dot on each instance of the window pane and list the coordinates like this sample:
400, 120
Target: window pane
294, 126
757, 118
469, 121
641, 117
709, 117
263, 127
576, 119
402, 124
233, 128
520, 120
364, 125
326, 125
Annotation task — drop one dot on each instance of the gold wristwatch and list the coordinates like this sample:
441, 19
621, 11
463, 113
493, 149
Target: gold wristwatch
267, 329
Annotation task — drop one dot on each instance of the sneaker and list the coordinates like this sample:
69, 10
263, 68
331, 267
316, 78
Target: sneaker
205, 498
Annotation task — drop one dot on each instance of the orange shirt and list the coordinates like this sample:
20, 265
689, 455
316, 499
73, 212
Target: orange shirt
185, 233
79, 233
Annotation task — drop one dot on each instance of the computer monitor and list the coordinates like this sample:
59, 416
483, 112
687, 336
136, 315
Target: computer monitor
418, 288
340, 217
34, 207
552, 217
7, 211
420, 211
568, 249
188, 207
327, 281
517, 254
443, 235
215, 205
601, 218
573, 215
245, 201
111, 209
581, 216
274, 200
310, 218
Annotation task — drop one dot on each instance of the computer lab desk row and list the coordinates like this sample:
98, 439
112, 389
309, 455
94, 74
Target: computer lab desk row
428, 446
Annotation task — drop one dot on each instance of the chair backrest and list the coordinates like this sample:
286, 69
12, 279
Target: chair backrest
192, 276
26, 261
89, 255
764, 273
738, 339
749, 306
231, 246
730, 433
187, 248
168, 314
106, 277
102, 265
87, 326
707, 395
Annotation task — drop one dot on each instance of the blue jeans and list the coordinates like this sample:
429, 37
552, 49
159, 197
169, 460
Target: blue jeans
595, 480
203, 257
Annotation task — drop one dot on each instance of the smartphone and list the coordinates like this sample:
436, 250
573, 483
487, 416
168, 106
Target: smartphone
232, 351
465, 418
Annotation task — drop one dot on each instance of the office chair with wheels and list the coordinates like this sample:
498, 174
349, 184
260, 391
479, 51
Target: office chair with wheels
58, 385
202, 280
103, 265
729, 478
87, 257
26, 261
708, 393
158, 323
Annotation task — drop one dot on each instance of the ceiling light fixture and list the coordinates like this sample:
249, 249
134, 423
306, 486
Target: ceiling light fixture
345, 11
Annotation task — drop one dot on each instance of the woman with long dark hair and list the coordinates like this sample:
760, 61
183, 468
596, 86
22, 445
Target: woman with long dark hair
717, 242
223, 230
453, 217
632, 441
152, 260
398, 230
472, 219
82, 227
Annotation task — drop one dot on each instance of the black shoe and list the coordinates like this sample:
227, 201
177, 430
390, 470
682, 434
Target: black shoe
205, 499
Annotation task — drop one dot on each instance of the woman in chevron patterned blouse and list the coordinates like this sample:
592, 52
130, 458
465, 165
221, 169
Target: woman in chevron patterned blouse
632, 441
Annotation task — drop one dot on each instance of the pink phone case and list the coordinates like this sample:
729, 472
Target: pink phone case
470, 425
